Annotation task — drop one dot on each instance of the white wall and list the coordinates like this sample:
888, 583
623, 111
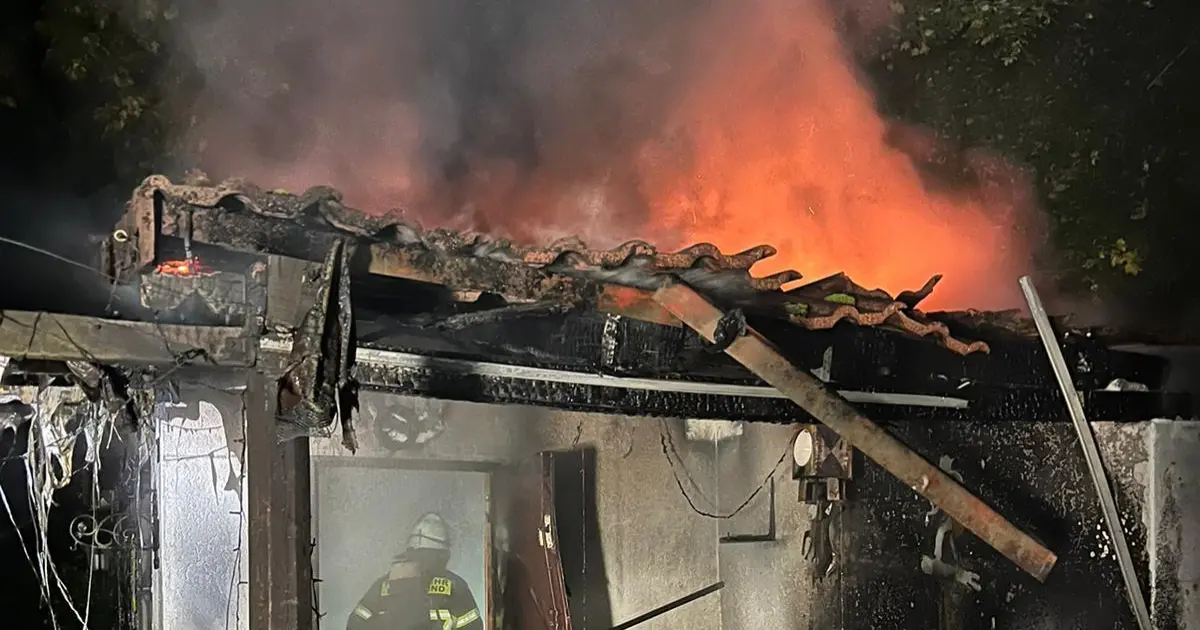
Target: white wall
201, 582
656, 549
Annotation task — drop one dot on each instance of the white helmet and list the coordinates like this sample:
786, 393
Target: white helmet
430, 532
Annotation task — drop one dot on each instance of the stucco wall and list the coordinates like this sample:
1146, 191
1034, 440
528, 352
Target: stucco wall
1174, 521
656, 548
767, 585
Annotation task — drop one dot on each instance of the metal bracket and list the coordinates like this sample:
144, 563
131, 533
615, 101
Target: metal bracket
758, 538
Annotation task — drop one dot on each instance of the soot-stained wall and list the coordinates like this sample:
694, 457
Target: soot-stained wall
1034, 473
653, 547
637, 546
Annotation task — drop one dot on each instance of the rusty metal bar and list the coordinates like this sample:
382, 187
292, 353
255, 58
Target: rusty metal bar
758, 356
1091, 453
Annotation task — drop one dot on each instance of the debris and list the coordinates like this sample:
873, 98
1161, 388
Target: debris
939, 569
818, 544
59, 417
947, 529
399, 426
1122, 385
712, 430
317, 386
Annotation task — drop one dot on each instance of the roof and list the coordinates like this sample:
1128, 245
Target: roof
240, 216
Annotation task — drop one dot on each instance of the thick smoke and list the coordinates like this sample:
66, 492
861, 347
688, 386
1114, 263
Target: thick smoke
738, 122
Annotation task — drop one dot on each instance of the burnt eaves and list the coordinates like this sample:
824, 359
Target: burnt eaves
240, 217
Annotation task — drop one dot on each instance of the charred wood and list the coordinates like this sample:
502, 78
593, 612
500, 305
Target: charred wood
48, 336
317, 386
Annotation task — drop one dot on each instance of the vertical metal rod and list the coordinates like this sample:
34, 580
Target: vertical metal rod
927, 480
1091, 453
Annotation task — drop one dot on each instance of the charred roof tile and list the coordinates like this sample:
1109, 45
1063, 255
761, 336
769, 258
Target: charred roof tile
724, 277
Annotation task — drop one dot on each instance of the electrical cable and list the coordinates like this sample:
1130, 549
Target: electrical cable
668, 448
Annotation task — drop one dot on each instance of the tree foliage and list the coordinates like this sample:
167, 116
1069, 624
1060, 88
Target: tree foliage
101, 73
1080, 94
1003, 27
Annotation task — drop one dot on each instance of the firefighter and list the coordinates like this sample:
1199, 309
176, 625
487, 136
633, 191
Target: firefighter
419, 593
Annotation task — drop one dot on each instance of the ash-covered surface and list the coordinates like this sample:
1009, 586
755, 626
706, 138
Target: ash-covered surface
242, 217
1032, 473
446, 380
1013, 382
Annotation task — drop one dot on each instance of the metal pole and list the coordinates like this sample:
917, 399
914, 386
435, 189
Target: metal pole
757, 354
666, 608
1091, 453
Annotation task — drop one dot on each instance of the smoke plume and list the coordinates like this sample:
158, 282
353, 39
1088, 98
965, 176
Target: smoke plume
739, 122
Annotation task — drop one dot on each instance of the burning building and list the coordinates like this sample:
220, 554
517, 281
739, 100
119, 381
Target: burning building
614, 438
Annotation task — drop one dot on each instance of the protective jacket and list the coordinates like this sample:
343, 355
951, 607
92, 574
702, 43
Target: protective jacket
412, 598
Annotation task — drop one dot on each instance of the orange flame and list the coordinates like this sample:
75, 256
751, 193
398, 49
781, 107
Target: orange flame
789, 150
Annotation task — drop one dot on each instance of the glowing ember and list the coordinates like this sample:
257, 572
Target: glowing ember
183, 268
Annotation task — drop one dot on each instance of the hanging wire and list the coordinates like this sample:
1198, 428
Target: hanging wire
673, 458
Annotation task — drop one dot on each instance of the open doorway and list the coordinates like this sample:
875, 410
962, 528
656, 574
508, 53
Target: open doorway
372, 517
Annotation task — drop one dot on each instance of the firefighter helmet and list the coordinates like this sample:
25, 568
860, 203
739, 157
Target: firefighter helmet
430, 532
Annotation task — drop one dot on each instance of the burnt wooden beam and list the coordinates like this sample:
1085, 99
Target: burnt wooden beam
614, 399
54, 337
279, 516
252, 233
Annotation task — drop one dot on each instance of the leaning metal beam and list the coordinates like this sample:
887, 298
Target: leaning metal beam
47, 336
1091, 453
757, 355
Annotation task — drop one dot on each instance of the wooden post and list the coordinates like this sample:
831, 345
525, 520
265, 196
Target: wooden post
279, 517
279, 498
